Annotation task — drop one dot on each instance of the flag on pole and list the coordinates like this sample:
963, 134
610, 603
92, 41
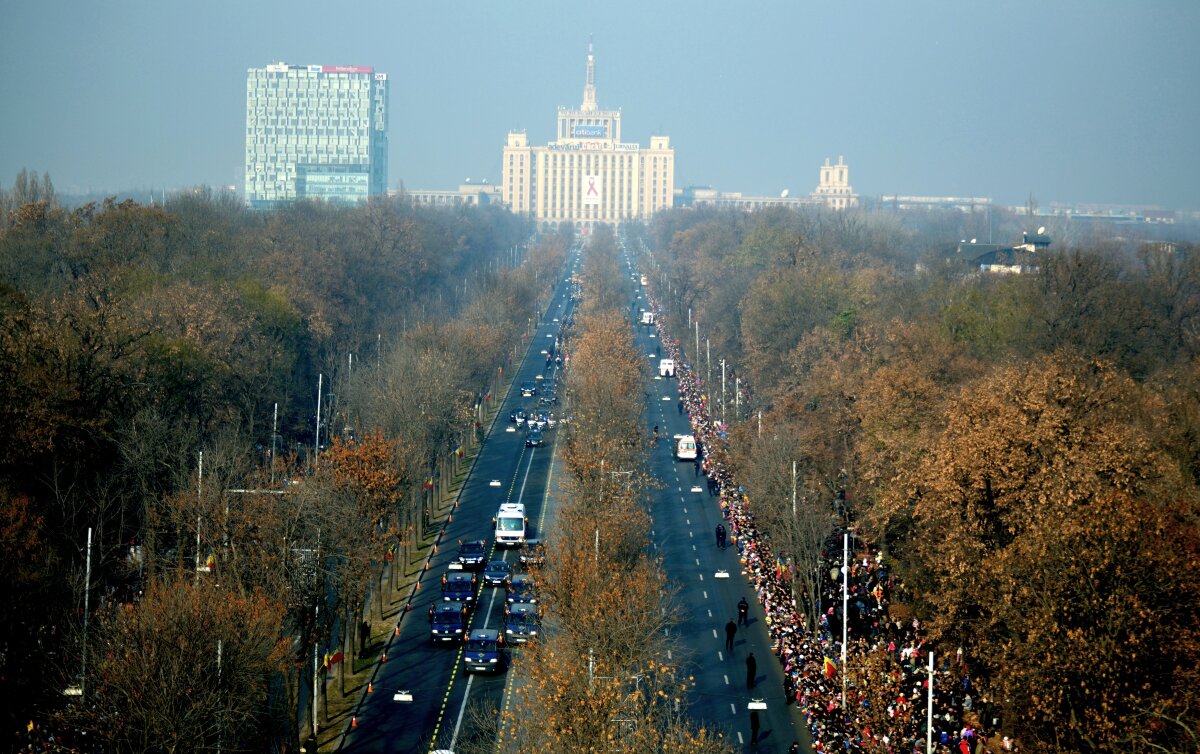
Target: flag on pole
830, 668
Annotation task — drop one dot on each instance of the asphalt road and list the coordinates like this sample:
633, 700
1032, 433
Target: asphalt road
442, 695
685, 520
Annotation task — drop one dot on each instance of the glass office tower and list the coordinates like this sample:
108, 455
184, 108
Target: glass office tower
315, 131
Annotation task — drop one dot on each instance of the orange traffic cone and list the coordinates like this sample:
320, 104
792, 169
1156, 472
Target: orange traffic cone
354, 722
383, 657
397, 633
370, 687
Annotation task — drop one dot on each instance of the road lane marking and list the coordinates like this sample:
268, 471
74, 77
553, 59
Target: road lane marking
714, 633
726, 680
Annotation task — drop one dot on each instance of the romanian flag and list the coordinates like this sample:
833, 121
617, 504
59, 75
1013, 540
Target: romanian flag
830, 668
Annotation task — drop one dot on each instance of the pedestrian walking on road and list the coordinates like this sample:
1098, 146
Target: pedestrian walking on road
679, 405
696, 466
751, 670
721, 536
730, 632
754, 726
743, 612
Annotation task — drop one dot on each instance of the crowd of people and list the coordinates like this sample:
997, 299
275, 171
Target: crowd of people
890, 714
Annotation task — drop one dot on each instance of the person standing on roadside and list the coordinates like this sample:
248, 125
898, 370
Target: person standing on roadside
754, 726
751, 670
721, 536
744, 612
730, 632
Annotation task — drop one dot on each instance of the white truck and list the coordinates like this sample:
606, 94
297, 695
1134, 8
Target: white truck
511, 525
685, 447
666, 367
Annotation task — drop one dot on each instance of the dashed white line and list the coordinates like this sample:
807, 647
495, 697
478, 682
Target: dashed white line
741, 740
705, 594
714, 633
689, 521
726, 681
720, 655
733, 709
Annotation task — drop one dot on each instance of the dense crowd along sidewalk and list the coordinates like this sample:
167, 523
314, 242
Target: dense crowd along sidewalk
891, 715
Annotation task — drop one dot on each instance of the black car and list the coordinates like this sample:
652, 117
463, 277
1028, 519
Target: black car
484, 652
519, 415
533, 554
521, 589
534, 439
497, 573
459, 586
521, 622
471, 555
448, 621
529, 389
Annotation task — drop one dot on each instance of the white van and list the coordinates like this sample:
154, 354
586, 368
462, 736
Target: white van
511, 525
647, 318
666, 367
685, 447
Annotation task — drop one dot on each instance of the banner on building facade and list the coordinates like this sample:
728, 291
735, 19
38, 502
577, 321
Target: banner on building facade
591, 191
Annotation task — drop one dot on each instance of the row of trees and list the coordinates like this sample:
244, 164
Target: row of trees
598, 680
1024, 447
154, 360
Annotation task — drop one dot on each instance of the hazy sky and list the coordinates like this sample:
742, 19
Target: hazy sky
1070, 100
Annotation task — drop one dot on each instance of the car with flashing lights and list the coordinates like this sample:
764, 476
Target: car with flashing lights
497, 573
521, 622
521, 588
459, 586
529, 389
533, 554
448, 621
484, 651
471, 555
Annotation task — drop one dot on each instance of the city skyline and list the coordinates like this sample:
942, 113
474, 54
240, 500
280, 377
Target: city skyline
1079, 102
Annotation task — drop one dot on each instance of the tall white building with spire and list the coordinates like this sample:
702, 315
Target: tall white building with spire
587, 175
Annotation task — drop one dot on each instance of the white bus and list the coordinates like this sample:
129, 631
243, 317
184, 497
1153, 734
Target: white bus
685, 447
511, 525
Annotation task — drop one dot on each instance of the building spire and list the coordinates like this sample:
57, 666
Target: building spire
589, 89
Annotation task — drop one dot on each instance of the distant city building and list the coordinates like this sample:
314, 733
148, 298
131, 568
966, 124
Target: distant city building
833, 191
467, 194
315, 132
707, 197
960, 203
834, 186
587, 175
